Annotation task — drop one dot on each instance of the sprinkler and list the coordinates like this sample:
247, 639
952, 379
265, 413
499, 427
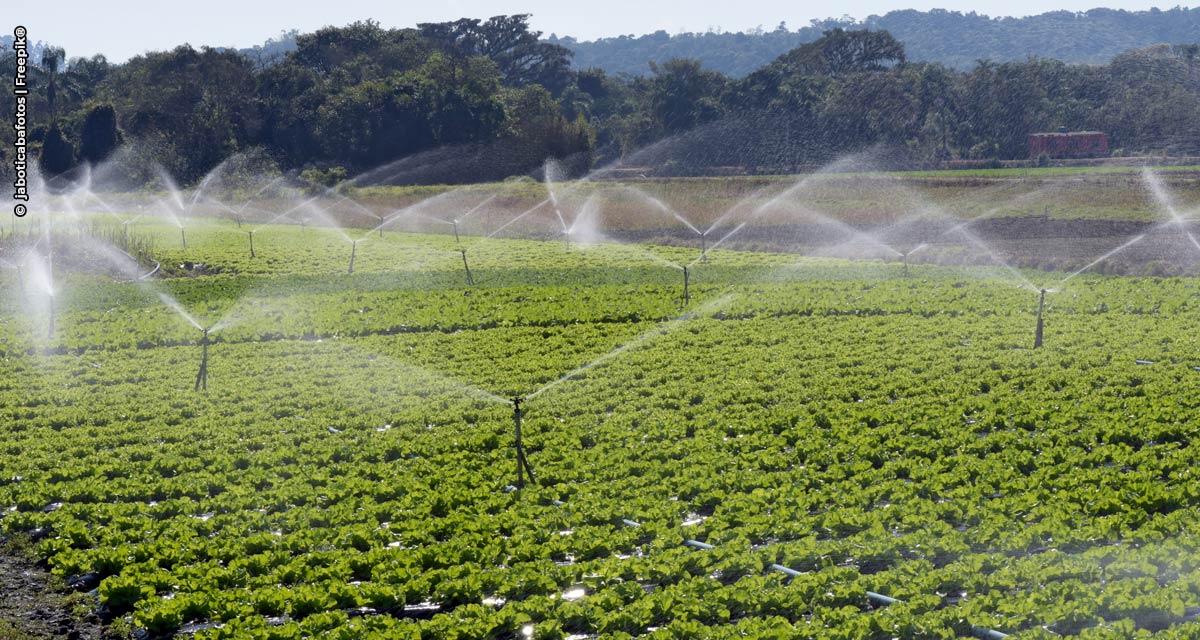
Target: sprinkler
470, 280
522, 463
455, 222
905, 257
1037, 336
251, 234
704, 246
238, 220
125, 229
380, 227
183, 237
50, 333
353, 250
566, 239
687, 297
202, 375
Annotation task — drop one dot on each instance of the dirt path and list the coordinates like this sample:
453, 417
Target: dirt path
31, 607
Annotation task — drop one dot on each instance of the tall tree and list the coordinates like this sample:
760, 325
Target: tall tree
58, 155
522, 58
52, 59
99, 136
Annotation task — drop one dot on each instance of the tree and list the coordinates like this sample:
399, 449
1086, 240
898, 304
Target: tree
58, 155
684, 95
518, 53
99, 136
52, 58
839, 52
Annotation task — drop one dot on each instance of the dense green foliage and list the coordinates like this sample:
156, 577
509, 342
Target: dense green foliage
473, 100
348, 468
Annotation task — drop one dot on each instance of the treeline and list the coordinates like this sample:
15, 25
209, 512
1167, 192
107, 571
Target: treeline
476, 100
952, 38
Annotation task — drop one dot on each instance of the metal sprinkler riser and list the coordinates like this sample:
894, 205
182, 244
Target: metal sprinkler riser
467, 267
202, 375
687, 296
522, 463
1037, 336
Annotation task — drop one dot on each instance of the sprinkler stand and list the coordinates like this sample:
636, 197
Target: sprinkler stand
1037, 336
183, 237
50, 333
251, 243
202, 375
687, 296
522, 463
905, 257
353, 250
466, 267
455, 222
704, 246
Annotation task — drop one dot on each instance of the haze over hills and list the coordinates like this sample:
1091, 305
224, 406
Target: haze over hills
953, 38
956, 39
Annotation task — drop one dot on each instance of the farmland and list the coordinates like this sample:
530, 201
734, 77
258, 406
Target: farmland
350, 467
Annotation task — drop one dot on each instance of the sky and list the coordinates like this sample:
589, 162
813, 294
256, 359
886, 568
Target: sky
121, 29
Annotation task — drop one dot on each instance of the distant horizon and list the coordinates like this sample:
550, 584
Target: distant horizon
115, 33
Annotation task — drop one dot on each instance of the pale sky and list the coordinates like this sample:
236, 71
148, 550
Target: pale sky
121, 29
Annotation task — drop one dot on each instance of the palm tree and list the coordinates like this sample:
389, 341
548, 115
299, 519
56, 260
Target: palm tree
52, 58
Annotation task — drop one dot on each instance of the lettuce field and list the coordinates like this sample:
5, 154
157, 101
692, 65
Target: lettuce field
795, 448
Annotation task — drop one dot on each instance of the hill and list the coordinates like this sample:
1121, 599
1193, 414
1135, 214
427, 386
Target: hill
952, 38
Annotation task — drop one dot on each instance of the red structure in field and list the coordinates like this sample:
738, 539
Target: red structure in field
1068, 144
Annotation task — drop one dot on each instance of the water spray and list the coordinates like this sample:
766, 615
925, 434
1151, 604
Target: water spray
353, 250
1037, 336
466, 267
202, 375
251, 234
50, 332
687, 296
522, 463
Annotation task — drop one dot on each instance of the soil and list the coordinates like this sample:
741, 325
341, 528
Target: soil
34, 605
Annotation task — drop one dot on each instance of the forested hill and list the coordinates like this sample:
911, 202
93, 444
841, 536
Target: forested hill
952, 38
